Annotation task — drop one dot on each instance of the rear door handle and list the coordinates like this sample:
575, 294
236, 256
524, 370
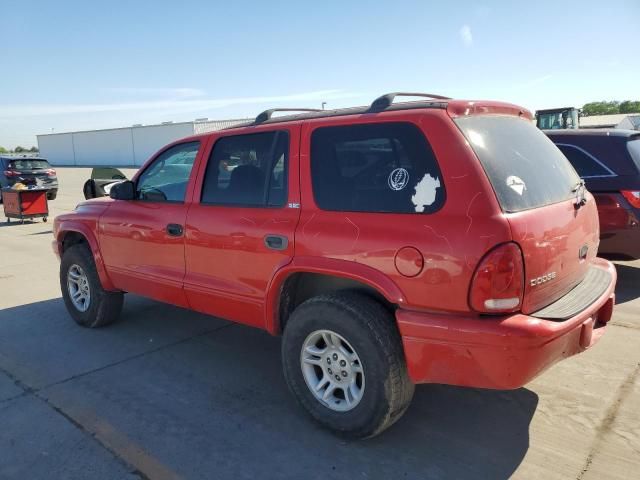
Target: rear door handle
276, 242
174, 230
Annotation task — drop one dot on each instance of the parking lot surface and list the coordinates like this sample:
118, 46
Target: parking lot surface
166, 393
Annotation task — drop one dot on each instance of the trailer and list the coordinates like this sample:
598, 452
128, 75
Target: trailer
25, 204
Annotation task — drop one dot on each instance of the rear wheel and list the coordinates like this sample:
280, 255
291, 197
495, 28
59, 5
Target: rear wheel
343, 360
87, 302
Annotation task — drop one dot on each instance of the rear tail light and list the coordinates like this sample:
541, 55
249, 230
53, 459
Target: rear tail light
50, 172
11, 173
498, 282
633, 197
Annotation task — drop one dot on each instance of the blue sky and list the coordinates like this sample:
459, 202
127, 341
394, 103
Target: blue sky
77, 65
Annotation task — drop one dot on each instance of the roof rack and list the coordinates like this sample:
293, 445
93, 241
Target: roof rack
386, 100
379, 104
266, 115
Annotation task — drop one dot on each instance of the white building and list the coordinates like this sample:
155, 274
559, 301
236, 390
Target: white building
617, 120
128, 146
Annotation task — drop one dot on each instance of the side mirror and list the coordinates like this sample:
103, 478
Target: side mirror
123, 191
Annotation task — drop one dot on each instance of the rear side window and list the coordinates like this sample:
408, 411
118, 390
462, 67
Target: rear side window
585, 164
248, 170
525, 168
378, 167
26, 164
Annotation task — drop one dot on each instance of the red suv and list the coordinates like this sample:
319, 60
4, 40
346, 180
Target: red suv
433, 241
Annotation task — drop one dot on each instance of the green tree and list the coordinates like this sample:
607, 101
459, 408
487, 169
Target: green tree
630, 106
34, 150
3, 150
601, 108
19, 149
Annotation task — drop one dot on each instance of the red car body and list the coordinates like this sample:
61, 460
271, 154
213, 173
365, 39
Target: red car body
422, 266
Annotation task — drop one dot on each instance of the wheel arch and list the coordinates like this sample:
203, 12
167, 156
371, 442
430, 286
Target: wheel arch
75, 234
306, 278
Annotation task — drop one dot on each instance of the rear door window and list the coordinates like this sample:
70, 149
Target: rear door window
248, 170
525, 168
585, 164
377, 167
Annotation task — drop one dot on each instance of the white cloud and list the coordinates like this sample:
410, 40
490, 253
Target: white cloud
466, 36
157, 92
534, 81
172, 105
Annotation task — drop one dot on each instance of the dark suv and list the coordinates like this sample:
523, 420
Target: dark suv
30, 171
609, 162
436, 241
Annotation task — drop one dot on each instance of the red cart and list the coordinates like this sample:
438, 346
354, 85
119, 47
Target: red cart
23, 204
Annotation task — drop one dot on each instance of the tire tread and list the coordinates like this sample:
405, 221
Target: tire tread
377, 320
109, 304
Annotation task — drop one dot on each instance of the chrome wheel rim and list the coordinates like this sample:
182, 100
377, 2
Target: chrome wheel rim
78, 287
332, 370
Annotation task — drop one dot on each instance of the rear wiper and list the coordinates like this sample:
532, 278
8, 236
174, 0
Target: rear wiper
581, 194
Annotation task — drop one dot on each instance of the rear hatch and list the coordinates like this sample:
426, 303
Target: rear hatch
32, 171
540, 193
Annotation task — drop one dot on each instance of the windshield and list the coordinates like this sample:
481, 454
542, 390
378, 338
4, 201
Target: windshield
525, 168
28, 164
557, 120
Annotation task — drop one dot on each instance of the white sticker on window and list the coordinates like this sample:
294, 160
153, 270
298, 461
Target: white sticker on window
425, 192
516, 184
398, 179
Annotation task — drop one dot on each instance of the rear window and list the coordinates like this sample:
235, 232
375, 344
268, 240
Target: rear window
525, 168
634, 151
27, 164
378, 167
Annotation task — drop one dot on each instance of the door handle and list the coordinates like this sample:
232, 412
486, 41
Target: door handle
174, 230
276, 242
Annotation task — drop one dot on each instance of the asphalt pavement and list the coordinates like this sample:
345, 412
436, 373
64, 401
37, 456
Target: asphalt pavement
166, 393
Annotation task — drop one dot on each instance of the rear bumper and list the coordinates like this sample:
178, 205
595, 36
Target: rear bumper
498, 352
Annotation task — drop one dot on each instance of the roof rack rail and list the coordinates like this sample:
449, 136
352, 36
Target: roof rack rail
266, 115
386, 100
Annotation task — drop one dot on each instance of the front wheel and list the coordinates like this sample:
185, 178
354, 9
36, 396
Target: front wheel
87, 302
344, 362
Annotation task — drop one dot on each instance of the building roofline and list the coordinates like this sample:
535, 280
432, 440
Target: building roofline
190, 122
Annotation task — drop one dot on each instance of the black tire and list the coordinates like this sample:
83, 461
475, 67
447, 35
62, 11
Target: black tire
367, 326
51, 195
104, 307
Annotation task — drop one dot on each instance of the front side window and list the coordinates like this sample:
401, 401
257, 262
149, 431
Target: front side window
165, 180
377, 167
248, 170
585, 164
